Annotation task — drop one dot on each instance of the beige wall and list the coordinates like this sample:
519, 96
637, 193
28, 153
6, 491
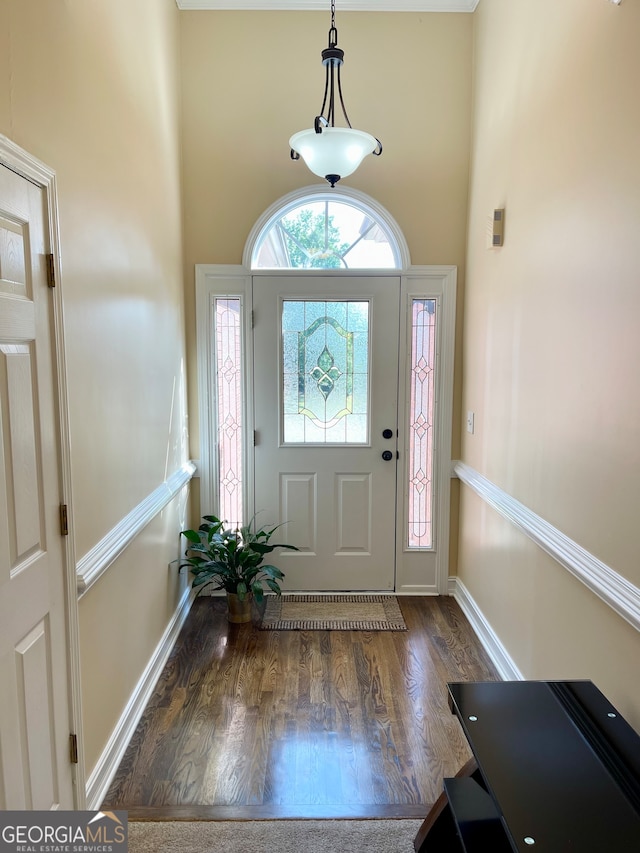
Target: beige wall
251, 79
551, 348
91, 88
121, 621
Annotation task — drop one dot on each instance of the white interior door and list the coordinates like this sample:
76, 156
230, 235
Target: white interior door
35, 770
325, 396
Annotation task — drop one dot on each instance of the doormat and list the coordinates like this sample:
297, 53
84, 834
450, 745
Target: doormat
332, 613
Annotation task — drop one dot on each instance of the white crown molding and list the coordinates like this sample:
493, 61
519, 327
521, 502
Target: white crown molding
96, 562
102, 774
322, 5
614, 589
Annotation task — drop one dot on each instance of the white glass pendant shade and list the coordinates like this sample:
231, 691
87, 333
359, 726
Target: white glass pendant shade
335, 152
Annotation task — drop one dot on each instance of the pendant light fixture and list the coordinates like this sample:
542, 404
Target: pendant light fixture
333, 152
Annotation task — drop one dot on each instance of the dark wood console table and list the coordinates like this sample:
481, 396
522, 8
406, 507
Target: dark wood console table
556, 768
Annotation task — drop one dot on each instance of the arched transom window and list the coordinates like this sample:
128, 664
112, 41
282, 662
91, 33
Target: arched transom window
327, 230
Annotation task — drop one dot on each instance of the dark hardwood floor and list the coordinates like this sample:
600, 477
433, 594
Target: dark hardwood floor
248, 724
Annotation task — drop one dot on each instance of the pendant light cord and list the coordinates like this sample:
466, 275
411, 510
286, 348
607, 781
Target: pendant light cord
332, 77
333, 32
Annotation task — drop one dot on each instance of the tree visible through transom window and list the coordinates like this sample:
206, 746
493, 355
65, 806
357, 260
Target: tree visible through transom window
322, 233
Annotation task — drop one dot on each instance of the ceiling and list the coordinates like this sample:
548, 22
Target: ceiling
343, 5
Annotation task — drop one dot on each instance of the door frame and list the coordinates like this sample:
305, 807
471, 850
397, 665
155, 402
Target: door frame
27, 166
213, 280
326, 562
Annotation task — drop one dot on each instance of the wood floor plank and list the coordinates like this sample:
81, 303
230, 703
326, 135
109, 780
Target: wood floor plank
266, 724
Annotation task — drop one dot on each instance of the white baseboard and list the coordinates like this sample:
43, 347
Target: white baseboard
102, 774
500, 657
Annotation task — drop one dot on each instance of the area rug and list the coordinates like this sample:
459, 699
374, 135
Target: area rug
265, 836
332, 613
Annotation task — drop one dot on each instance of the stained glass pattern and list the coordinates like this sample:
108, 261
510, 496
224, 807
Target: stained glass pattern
423, 328
229, 409
325, 372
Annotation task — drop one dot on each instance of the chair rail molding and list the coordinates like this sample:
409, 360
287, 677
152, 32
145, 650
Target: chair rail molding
614, 589
96, 561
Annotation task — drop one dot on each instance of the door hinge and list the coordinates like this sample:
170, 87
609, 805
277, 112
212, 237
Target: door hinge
73, 749
51, 270
64, 520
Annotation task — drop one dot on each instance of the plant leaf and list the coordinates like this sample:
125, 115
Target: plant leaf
272, 571
199, 581
191, 535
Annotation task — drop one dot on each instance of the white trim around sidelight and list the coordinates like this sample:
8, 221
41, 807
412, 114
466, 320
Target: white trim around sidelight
439, 282
214, 282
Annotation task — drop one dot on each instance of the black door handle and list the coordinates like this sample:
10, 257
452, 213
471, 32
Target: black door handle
387, 455
387, 433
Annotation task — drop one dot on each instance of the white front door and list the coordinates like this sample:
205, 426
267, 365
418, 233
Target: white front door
325, 414
35, 769
353, 514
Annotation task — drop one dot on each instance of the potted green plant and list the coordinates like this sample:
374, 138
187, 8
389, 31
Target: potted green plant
233, 560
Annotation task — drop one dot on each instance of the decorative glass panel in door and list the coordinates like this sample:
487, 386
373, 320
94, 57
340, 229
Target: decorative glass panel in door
325, 371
